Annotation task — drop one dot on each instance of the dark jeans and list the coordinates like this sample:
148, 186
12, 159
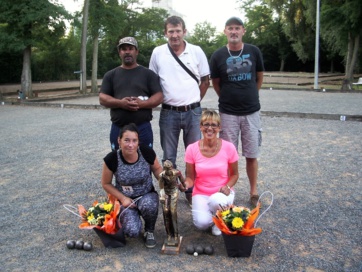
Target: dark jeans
144, 130
171, 124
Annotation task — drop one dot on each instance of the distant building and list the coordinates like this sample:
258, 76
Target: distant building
167, 5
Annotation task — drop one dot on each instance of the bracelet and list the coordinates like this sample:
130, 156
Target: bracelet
228, 187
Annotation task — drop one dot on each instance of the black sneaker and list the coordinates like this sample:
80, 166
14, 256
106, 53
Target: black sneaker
150, 241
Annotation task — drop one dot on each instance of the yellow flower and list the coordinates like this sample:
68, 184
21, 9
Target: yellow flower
237, 223
225, 213
90, 216
108, 207
91, 220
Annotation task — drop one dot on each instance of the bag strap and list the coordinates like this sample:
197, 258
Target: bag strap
182, 64
271, 203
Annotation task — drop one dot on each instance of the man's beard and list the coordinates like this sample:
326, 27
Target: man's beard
128, 61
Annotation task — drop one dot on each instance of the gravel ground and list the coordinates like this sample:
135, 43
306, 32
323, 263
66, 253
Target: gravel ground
53, 156
325, 105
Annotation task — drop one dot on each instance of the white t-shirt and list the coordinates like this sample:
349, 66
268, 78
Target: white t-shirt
179, 88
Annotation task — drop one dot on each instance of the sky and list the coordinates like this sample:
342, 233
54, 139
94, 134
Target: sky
193, 11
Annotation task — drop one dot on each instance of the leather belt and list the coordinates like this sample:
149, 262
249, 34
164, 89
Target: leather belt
181, 108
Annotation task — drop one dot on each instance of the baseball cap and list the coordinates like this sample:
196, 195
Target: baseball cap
234, 20
128, 40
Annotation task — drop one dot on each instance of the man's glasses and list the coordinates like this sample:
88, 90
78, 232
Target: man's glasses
212, 125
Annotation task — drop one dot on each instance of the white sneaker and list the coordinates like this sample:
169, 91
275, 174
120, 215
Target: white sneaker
215, 230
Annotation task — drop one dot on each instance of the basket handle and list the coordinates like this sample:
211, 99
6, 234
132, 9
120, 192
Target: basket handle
71, 209
134, 201
271, 203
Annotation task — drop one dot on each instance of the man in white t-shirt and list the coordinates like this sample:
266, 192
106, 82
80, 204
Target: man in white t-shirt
182, 90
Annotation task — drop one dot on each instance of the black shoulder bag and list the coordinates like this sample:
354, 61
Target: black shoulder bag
182, 65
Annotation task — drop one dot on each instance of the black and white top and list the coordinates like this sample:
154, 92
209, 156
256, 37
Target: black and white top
132, 179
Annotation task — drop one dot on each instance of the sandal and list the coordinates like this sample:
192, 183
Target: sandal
254, 200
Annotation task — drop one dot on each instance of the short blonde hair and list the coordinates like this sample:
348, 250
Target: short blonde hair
210, 115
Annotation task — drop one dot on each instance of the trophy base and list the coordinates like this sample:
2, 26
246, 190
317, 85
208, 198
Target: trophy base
171, 249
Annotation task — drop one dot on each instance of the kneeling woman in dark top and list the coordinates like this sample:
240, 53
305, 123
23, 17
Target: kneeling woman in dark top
132, 166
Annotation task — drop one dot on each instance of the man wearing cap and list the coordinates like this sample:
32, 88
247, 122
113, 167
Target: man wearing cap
237, 71
182, 89
130, 91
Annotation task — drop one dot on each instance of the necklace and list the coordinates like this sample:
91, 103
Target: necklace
241, 51
214, 152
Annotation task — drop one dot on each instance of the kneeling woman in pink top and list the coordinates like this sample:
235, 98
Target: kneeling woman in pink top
212, 168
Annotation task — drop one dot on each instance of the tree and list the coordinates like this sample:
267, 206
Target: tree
23, 23
96, 14
204, 35
83, 52
343, 32
150, 32
265, 32
297, 28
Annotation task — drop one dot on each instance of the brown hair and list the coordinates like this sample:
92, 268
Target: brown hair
130, 127
175, 20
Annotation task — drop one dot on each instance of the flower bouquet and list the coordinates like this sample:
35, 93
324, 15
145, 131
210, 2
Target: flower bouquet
102, 218
237, 226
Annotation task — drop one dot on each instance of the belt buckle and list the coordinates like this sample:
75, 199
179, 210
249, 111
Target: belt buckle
181, 108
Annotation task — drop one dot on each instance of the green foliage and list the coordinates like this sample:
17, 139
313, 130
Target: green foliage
340, 23
29, 23
11, 65
149, 25
205, 36
282, 29
347, 20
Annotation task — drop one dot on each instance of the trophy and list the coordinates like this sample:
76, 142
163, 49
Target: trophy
169, 181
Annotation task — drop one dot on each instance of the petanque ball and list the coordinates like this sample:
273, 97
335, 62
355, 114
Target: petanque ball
87, 246
209, 250
79, 244
199, 249
190, 249
71, 244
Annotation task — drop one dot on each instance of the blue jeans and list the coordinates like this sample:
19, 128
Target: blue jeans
171, 123
144, 130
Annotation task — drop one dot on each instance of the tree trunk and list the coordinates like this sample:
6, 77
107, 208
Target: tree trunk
282, 64
349, 56
83, 53
353, 62
95, 63
353, 46
332, 66
346, 85
26, 73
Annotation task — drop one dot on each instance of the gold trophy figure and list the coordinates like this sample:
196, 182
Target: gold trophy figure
169, 181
